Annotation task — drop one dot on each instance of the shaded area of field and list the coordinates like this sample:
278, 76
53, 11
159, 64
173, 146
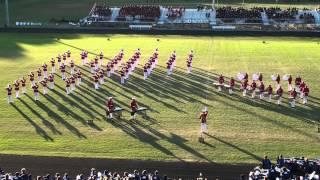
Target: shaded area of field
186, 170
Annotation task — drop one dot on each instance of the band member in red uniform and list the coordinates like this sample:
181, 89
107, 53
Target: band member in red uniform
203, 121
45, 70
122, 74
96, 63
253, 87
64, 58
300, 90
68, 54
83, 58
169, 64
39, 75
101, 58
269, 90
53, 66
71, 67
59, 60
189, 66
63, 71
51, 81
108, 70
23, 85
109, 108
289, 83
134, 108
293, 95
36, 91
101, 76
31, 78
68, 83
279, 95
260, 78
221, 82
96, 81
298, 81
305, 94
145, 72
16, 88
73, 83
92, 66
79, 77
9, 90
261, 90
44, 86
232, 84
244, 87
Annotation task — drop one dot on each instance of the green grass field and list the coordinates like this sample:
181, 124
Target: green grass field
73, 10
241, 129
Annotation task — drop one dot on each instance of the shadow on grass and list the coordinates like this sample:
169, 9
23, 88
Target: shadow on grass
235, 147
56, 117
38, 129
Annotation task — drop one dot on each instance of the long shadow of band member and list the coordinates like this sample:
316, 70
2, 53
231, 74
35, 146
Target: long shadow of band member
109, 107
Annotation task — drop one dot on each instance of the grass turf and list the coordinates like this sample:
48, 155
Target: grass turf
241, 129
73, 10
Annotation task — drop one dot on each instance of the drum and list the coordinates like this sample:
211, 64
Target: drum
285, 77
240, 76
255, 77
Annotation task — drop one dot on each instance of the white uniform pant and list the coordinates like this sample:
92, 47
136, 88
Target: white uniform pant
253, 95
145, 75
68, 90
189, 69
39, 78
219, 88
45, 90
289, 87
73, 86
10, 100
203, 128
168, 72
32, 83
45, 74
122, 79
293, 103
51, 86
92, 69
36, 96
17, 93
305, 100
108, 73
261, 95
244, 93
53, 69
101, 80
24, 89
72, 70
63, 75
270, 97
96, 85
79, 81
230, 91
279, 100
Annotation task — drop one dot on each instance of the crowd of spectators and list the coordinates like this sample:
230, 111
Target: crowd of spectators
241, 13
92, 175
281, 14
307, 17
175, 12
103, 11
140, 11
287, 169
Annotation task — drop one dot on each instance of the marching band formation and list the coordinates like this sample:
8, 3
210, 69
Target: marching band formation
298, 90
72, 79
